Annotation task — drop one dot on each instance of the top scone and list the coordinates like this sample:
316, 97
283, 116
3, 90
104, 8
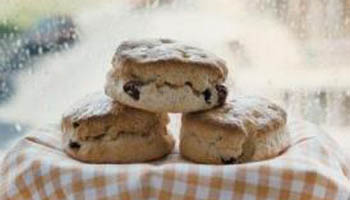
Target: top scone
163, 75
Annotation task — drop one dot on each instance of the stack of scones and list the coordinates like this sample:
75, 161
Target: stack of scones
151, 78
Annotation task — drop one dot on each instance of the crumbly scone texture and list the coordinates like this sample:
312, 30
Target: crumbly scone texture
181, 78
244, 129
99, 130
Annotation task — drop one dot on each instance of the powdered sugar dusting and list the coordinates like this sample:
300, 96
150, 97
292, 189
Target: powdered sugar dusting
248, 109
153, 50
259, 109
95, 104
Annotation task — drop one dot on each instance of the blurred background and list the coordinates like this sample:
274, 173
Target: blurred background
295, 52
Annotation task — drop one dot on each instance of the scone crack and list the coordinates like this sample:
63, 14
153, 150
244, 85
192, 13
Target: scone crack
248, 150
173, 86
132, 88
114, 137
162, 84
97, 137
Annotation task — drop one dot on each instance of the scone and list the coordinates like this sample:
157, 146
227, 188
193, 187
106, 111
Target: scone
100, 130
162, 75
244, 129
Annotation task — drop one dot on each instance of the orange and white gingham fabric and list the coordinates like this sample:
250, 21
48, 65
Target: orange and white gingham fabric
312, 168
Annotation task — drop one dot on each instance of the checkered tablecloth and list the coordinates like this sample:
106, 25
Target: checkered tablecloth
312, 168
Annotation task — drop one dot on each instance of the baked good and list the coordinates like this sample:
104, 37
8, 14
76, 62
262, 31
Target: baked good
244, 129
99, 130
178, 77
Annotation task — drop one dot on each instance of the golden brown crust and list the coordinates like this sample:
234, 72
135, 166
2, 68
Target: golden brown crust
166, 54
156, 60
178, 77
100, 130
241, 115
96, 112
242, 130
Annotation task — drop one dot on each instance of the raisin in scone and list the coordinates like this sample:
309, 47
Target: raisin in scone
244, 129
162, 75
99, 130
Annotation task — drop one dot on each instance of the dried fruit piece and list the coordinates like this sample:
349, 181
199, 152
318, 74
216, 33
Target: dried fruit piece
132, 89
74, 145
207, 95
222, 93
75, 124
